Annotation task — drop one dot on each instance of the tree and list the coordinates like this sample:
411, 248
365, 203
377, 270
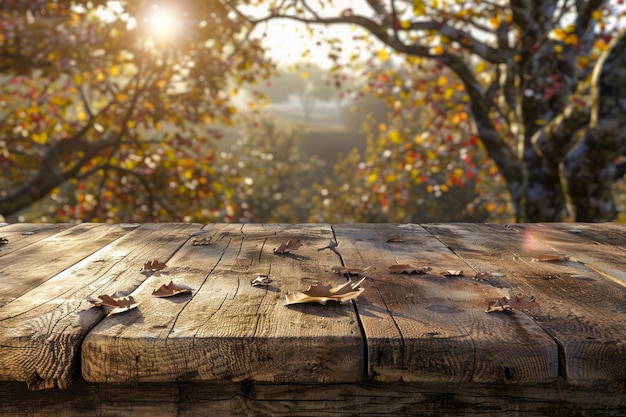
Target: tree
553, 130
105, 118
422, 164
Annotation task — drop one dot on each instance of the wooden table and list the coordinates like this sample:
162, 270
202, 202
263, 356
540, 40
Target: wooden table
410, 342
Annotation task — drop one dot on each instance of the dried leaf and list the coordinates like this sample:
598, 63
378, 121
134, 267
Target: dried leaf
318, 293
452, 273
261, 281
114, 305
202, 242
4, 241
408, 269
394, 239
288, 246
153, 266
517, 302
487, 275
552, 258
349, 271
168, 290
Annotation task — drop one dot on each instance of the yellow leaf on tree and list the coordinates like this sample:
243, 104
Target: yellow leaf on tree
559, 34
383, 55
443, 80
114, 70
405, 24
372, 178
395, 137
121, 96
597, 15
571, 39
436, 50
40, 138
419, 8
448, 93
304, 75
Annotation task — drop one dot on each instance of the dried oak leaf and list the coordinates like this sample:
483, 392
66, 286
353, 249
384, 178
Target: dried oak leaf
153, 266
318, 293
202, 242
517, 302
408, 269
4, 241
349, 271
114, 305
552, 258
288, 246
168, 290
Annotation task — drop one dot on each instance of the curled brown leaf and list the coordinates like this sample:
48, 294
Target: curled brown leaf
517, 302
153, 266
288, 246
552, 258
114, 305
319, 293
168, 290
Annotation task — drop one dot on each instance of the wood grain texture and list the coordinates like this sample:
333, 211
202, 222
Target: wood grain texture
42, 330
193, 399
434, 328
228, 330
24, 269
21, 235
601, 247
582, 310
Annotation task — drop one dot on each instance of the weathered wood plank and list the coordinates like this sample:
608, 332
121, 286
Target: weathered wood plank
582, 311
24, 269
355, 399
21, 235
434, 328
601, 247
42, 330
227, 329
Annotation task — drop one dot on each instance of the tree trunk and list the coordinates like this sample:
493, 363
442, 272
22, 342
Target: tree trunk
590, 166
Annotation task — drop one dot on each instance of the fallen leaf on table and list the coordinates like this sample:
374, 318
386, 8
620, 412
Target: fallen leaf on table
114, 305
153, 266
4, 241
552, 258
452, 273
288, 246
202, 242
487, 275
318, 293
168, 290
349, 271
261, 281
408, 269
394, 239
517, 302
